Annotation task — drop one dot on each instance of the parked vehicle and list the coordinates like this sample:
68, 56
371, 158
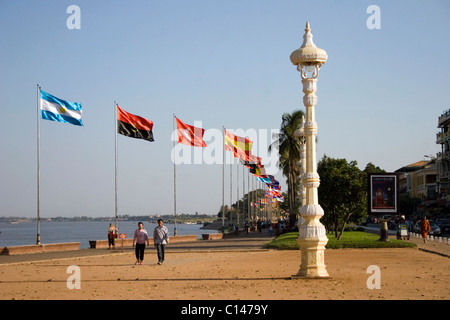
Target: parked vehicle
444, 225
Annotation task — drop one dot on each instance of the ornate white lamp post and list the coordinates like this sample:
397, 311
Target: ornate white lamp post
312, 235
300, 134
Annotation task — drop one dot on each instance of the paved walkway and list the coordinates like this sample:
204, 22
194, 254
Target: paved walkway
435, 246
252, 242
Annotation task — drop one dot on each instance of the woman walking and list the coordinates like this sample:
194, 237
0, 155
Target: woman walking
140, 238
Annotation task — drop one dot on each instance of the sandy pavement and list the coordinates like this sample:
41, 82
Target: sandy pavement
230, 275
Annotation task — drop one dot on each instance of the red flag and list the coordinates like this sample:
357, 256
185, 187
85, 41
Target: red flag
190, 135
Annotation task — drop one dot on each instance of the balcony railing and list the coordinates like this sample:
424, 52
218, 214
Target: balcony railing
442, 136
444, 117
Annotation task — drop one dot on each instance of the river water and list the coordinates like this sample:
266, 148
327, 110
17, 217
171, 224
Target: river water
24, 233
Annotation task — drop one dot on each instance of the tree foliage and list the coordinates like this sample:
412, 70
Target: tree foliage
289, 155
342, 193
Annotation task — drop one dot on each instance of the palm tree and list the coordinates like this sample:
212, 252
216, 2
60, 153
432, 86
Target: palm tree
289, 155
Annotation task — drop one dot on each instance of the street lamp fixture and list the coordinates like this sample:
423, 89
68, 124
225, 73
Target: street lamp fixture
312, 234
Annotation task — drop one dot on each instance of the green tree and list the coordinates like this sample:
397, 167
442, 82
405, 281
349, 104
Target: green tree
371, 168
289, 155
223, 209
342, 193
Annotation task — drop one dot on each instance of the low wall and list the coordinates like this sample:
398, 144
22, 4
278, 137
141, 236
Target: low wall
67, 246
212, 236
101, 244
39, 248
215, 236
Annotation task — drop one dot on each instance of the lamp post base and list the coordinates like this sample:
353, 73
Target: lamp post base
313, 262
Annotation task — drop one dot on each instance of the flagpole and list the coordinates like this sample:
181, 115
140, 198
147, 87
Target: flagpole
237, 196
231, 190
38, 222
223, 181
243, 192
115, 163
253, 196
174, 180
248, 195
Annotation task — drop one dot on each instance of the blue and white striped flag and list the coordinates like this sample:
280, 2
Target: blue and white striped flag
55, 109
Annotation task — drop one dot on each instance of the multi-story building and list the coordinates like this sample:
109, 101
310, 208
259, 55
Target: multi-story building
407, 185
443, 157
423, 182
419, 181
428, 181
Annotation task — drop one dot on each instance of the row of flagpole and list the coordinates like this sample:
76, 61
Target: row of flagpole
252, 195
63, 111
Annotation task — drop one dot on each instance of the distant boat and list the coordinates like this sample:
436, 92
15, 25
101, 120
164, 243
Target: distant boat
19, 221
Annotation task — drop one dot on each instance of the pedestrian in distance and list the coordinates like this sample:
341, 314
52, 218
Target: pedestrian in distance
424, 228
112, 235
139, 240
160, 239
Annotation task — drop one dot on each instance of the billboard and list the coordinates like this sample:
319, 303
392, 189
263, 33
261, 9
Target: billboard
382, 193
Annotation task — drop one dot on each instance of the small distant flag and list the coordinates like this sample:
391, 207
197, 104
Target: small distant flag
55, 109
134, 126
190, 135
261, 179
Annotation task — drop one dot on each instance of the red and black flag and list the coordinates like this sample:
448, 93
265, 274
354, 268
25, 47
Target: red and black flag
134, 126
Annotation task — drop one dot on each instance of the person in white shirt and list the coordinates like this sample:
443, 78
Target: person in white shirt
160, 239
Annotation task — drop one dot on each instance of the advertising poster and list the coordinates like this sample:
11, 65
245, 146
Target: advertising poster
383, 193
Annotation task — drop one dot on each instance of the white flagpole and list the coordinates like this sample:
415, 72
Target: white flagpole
223, 181
243, 192
253, 197
248, 196
38, 236
231, 190
174, 180
237, 197
115, 163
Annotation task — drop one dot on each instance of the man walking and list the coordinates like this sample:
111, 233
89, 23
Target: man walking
160, 239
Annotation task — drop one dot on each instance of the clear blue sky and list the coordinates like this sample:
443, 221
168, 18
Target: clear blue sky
225, 63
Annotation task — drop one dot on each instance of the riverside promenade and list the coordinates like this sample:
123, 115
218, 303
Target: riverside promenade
254, 241
237, 268
244, 242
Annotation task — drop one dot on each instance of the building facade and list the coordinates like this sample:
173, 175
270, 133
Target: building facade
419, 181
428, 181
443, 157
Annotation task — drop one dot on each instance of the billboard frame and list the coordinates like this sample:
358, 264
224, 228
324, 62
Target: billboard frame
382, 193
